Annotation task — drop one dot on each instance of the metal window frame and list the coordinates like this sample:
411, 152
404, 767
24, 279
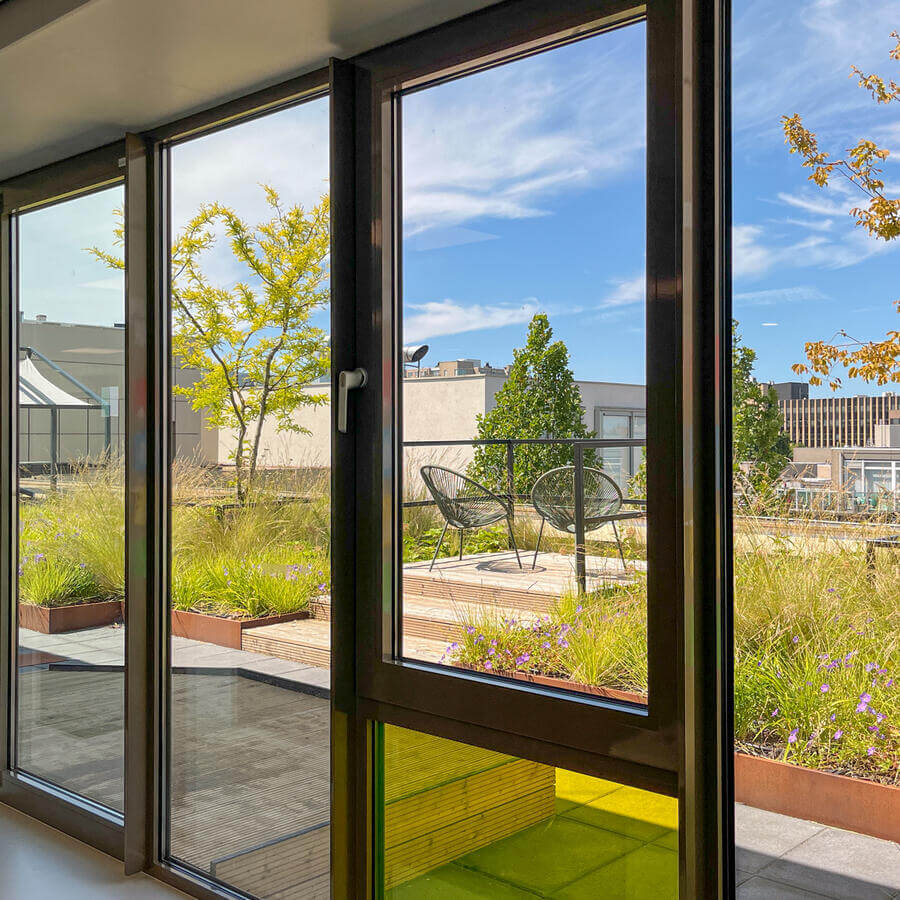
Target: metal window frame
148, 240
595, 727
70, 179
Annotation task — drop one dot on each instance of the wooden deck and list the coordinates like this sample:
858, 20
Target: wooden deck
435, 601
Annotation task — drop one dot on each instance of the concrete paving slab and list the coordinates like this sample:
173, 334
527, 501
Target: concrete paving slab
763, 836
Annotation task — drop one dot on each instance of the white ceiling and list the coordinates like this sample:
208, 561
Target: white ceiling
75, 74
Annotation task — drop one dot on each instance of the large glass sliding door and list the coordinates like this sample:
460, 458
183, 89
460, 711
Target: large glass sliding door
249, 482
71, 504
64, 599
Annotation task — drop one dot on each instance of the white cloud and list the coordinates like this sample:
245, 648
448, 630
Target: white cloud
287, 149
820, 205
112, 283
795, 57
753, 256
499, 144
749, 256
442, 317
801, 294
811, 224
627, 292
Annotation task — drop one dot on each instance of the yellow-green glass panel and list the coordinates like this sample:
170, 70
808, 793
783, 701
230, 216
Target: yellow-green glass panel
461, 822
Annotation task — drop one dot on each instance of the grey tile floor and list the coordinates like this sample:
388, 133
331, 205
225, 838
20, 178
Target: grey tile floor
252, 761
781, 857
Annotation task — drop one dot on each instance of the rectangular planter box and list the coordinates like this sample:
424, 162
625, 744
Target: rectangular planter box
59, 619
564, 684
850, 803
221, 630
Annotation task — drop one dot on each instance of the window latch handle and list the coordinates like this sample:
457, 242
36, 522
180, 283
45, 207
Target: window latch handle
348, 380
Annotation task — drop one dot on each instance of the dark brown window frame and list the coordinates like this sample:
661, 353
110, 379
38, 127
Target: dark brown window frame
595, 728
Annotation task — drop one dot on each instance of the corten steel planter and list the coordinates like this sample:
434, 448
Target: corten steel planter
564, 683
59, 619
221, 630
854, 804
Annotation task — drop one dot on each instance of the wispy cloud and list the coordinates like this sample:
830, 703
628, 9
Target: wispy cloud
443, 317
627, 292
750, 257
501, 144
112, 283
801, 294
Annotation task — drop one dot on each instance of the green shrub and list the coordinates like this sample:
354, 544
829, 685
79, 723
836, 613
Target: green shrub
51, 581
273, 583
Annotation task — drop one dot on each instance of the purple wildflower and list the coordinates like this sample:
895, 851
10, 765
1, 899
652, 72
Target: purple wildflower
870, 751
865, 698
838, 734
825, 688
862, 707
792, 737
774, 712
795, 639
488, 665
833, 716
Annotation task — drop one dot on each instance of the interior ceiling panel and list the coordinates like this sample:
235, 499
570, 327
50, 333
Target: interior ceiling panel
75, 74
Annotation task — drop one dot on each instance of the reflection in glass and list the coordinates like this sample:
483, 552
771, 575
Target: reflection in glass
462, 821
524, 325
250, 544
71, 575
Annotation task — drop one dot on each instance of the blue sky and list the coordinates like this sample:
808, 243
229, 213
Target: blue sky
524, 191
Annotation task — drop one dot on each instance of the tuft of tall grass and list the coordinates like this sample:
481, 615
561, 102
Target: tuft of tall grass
50, 581
273, 583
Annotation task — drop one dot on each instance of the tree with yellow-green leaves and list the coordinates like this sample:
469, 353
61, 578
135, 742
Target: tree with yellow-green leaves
877, 361
251, 343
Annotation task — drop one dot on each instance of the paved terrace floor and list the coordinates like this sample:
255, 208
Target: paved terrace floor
251, 764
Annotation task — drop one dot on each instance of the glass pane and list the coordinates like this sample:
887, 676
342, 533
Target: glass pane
71, 490
614, 426
816, 570
459, 821
249, 716
523, 319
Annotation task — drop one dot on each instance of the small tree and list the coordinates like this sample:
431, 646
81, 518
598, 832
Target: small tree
251, 344
539, 399
877, 361
757, 434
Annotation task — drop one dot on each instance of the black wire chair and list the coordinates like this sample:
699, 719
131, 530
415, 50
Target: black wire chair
465, 503
553, 496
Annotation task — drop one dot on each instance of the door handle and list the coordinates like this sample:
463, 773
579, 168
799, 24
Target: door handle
348, 380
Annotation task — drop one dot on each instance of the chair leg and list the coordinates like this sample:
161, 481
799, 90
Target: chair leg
538, 547
512, 540
462, 537
619, 544
438, 548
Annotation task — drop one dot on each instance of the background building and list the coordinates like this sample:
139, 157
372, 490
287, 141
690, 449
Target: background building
833, 421
442, 403
94, 355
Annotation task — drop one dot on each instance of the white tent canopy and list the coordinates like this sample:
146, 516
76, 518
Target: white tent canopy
37, 391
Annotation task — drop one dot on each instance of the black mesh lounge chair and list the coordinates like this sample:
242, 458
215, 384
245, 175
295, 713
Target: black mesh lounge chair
465, 503
553, 496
